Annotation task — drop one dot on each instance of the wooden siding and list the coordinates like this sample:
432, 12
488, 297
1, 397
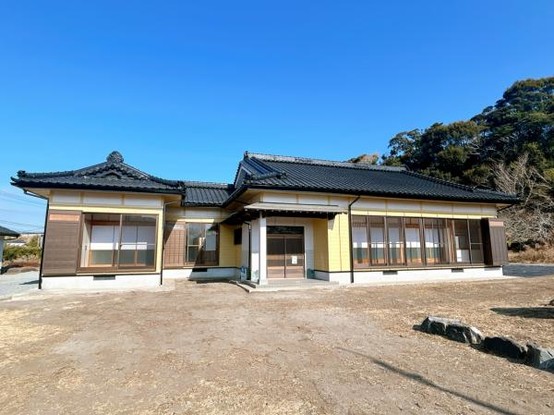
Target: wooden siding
174, 244
494, 242
61, 243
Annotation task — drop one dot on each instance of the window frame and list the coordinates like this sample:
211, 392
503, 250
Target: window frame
176, 246
115, 265
446, 241
187, 263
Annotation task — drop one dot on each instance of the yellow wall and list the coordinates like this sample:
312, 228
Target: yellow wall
321, 247
227, 250
338, 243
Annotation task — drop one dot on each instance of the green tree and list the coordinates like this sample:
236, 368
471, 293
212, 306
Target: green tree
473, 152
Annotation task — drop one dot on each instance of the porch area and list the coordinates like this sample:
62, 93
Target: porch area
283, 284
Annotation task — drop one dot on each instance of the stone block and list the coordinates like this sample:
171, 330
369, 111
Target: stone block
464, 333
505, 347
436, 325
540, 357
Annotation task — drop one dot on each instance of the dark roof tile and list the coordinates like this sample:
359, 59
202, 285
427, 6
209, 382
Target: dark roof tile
294, 173
8, 232
206, 194
113, 174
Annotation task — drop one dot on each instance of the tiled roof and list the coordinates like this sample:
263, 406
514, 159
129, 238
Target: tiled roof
206, 194
295, 173
265, 172
113, 174
8, 232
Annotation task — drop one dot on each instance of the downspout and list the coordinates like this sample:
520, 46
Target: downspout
248, 276
351, 250
25, 191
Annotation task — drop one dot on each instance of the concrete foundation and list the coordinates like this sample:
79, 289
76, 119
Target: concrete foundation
209, 273
421, 275
102, 282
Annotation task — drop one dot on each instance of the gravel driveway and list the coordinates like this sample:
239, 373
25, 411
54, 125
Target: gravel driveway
12, 284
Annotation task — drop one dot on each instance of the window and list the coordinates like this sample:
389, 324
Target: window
360, 241
113, 241
237, 236
394, 241
377, 238
413, 241
191, 244
435, 241
138, 241
461, 241
475, 241
202, 241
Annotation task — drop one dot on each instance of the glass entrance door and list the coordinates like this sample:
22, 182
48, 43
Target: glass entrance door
285, 252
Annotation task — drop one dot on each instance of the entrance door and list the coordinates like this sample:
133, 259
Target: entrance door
285, 252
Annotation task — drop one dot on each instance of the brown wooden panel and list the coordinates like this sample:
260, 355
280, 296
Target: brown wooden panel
174, 244
285, 256
494, 242
61, 243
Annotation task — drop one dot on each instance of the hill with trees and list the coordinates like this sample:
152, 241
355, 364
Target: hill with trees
509, 146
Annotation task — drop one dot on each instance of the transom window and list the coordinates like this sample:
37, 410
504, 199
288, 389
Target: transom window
395, 241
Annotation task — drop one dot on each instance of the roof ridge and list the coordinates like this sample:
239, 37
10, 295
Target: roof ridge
113, 161
320, 162
195, 183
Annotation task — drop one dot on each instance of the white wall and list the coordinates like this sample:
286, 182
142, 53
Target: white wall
258, 252
407, 276
428, 275
210, 273
88, 282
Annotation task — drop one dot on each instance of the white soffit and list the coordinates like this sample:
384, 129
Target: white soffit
296, 207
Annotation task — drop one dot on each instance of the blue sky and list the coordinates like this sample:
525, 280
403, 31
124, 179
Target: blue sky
183, 88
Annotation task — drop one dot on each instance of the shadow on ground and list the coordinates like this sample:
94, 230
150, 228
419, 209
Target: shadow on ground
526, 312
427, 382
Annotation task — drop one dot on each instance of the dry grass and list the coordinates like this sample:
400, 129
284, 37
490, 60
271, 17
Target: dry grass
213, 349
539, 255
517, 309
19, 332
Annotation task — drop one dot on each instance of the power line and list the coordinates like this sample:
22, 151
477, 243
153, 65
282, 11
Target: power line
32, 225
18, 198
31, 210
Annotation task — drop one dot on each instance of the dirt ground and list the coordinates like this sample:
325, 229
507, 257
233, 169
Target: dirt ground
214, 349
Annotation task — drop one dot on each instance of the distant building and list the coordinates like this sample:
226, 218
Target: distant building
5, 234
16, 242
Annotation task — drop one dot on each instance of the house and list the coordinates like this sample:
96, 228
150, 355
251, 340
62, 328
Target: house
5, 234
112, 225
16, 242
